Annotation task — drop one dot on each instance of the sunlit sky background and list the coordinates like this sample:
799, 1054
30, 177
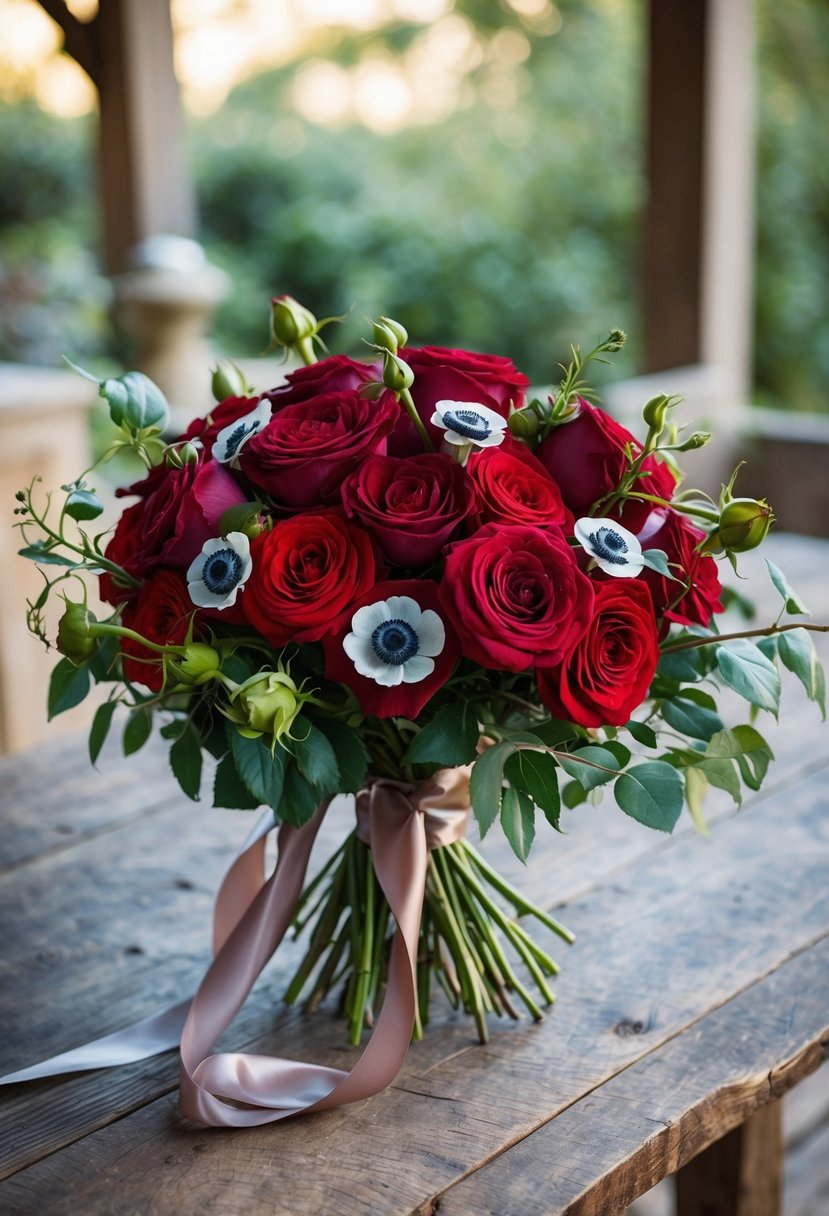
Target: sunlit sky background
220, 42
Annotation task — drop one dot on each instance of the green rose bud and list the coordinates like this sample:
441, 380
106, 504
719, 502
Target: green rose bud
655, 412
397, 374
198, 664
615, 340
389, 334
697, 440
229, 381
744, 524
266, 704
75, 640
290, 322
524, 423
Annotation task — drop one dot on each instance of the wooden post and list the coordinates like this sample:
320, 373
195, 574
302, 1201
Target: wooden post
739, 1175
698, 238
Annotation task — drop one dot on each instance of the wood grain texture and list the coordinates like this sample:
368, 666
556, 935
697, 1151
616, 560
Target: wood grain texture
740, 1174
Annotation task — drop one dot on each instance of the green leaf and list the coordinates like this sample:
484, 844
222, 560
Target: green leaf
553, 733
534, 773
747, 747
582, 764
642, 734
798, 654
352, 760
299, 799
100, 728
747, 670
135, 402
137, 730
695, 721
318, 762
518, 821
68, 686
261, 772
684, 666
84, 504
39, 553
652, 793
185, 761
486, 784
696, 788
573, 794
794, 604
656, 559
236, 517
229, 790
451, 738
769, 647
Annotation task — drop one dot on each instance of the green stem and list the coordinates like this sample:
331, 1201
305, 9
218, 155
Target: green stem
365, 956
518, 901
304, 347
411, 409
767, 632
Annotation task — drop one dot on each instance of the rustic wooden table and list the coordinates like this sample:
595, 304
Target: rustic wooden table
697, 993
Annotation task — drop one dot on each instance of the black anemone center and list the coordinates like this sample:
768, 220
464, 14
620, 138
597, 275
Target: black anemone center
237, 437
395, 642
468, 423
222, 571
610, 546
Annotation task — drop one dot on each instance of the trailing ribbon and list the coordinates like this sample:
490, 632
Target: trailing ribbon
401, 823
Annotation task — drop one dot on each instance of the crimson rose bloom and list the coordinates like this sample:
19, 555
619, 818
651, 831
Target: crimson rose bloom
401, 700
679, 539
515, 596
608, 672
306, 571
336, 374
412, 506
181, 509
230, 410
160, 613
122, 547
586, 457
454, 375
307, 449
515, 489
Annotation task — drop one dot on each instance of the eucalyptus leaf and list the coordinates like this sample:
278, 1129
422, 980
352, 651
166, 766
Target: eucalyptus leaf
652, 793
797, 653
534, 773
794, 604
695, 721
747, 670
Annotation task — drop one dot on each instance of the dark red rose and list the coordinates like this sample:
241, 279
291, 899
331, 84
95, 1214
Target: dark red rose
161, 613
336, 374
405, 699
455, 375
678, 538
412, 506
122, 548
306, 449
182, 508
512, 488
306, 571
608, 672
230, 410
515, 596
586, 457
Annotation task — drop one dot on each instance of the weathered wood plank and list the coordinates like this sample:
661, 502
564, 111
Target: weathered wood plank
632, 986
658, 1115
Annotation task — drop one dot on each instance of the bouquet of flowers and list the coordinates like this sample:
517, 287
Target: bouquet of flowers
400, 578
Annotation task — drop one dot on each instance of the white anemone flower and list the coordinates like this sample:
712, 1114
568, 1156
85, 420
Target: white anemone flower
231, 439
394, 641
612, 547
220, 571
469, 424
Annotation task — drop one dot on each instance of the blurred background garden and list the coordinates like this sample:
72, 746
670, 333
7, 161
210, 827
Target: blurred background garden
476, 169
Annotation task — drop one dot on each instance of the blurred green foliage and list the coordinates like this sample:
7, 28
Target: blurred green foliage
507, 229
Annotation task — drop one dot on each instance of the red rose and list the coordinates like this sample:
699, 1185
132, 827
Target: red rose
512, 488
230, 410
160, 613
306, 571
515, 596
122, 547
586, 458
608, 672
403, 699
182, 508
679, 539
336, 374
455, 375
307, 449
412, 506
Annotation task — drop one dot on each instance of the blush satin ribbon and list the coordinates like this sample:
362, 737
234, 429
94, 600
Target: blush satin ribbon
252, 914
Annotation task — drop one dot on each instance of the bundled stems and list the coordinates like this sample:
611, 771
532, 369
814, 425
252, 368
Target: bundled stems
465, 943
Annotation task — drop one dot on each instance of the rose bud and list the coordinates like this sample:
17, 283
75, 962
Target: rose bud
228, 380
389, 334
655, 412
75, 639
266, 704
198, 665
744, 524
697, 440
290, 322
397, 374
525, 423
